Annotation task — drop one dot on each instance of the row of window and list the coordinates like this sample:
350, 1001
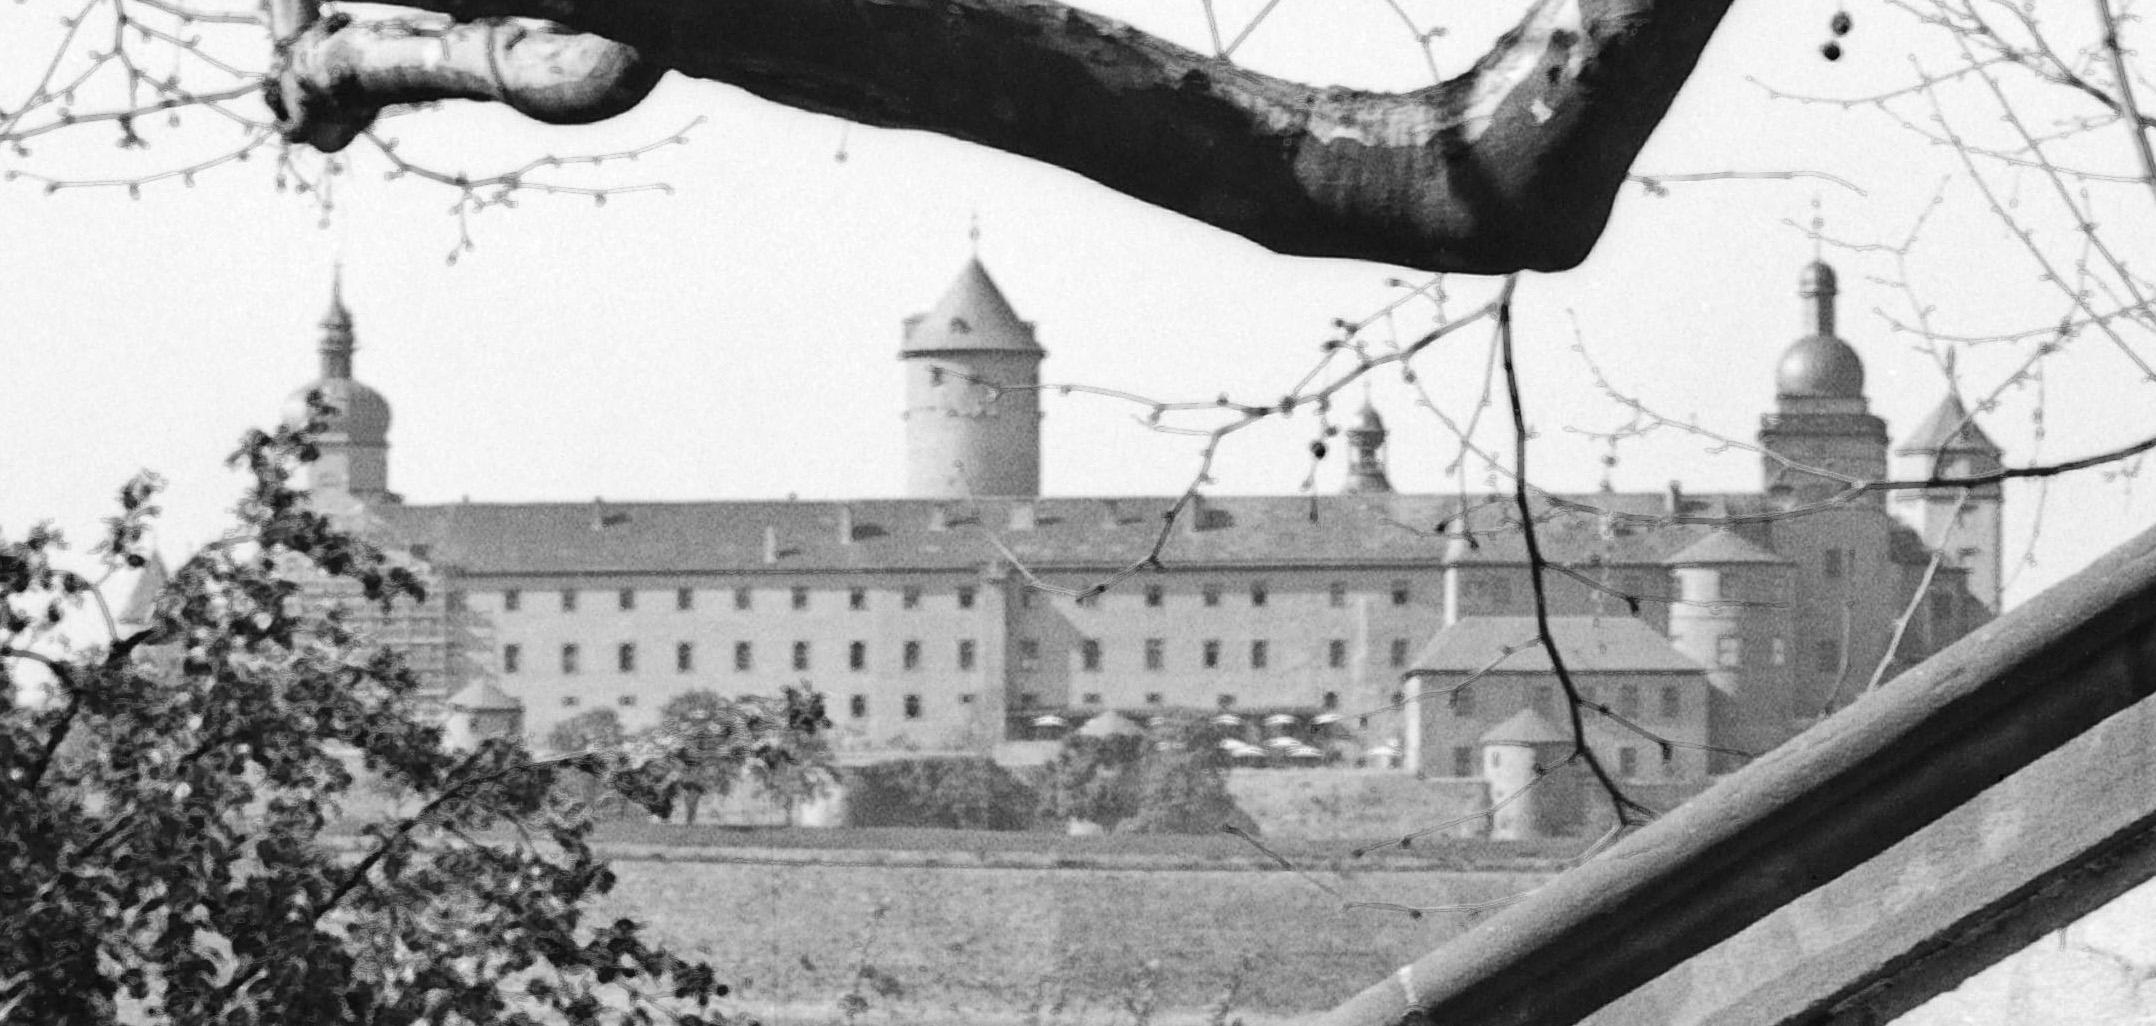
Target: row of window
626, 660
1210, 654
1090, 655
1328, 701
909, 597
1625, 703
1463, 762
856, 707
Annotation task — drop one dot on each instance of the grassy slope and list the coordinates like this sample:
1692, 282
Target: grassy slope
994, 940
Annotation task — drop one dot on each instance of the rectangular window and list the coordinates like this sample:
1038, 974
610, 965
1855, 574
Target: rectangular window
965, 654
965, 698
1398, 655
1212, 655
1781, 651
684, 598
1211, 592
744, 656
1025, 598
1225, 701
1672, 702
965, 598
1092, 698
1545, 700
1028, 699
1089, 654
625, 657
626, 700
913, 707
512, 658
1156, 653
1329, 701
1628, 763
741, 598
512, 600
1336, 594
1259, 593
1827, 655
857, 599
1154, 596
1628, 701
568, 659
801, 598
910, 656
1463, 761
909, 597
1729, 650
627, 598
1833, 564
857, 707
857, 656
568, 601
454, 602
568, 701
1401, 592
684, 657
1029, 654
801, 655
1462, 701
1258, 653
1336, 653
1155, 698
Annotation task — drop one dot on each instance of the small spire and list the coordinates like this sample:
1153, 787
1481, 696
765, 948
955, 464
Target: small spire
337, 338
973, 233
1818, 287
1366, 469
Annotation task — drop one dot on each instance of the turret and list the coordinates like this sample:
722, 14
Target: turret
1732, 617
353, 465
1536, 789
1949, 444
480, 712
973, 419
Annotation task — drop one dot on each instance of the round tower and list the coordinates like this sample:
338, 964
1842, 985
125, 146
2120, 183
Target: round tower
1366, 470
973, 416
1534, 792
479, 712
1732, 616
1821, 419
353, 465
1949, 444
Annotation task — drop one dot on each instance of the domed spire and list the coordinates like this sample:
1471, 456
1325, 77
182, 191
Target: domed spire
362, 415
1366, 474
1819, 365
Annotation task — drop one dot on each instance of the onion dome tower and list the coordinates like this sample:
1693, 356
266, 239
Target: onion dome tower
1366, 472
1821, 418
973, 417
1949, 444
1732, 616
353, 465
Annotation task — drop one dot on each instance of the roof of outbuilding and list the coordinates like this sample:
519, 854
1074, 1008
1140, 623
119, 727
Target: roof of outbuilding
1589, 644
1526, 727
1723, 547
483, 696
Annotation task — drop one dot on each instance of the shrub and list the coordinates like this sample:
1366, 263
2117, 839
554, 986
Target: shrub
970, 793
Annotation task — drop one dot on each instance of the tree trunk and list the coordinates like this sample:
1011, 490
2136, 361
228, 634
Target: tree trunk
1512, 165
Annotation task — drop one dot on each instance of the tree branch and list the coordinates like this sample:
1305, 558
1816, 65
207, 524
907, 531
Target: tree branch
1512, 165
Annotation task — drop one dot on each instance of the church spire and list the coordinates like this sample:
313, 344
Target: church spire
337, 337
1366, 471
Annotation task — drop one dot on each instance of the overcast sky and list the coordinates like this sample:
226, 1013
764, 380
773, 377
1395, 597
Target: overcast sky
737, 337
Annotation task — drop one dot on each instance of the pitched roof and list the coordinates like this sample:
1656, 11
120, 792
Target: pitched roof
483, 696
1589, 644
1948, 428
972, 315
1526, 727
1722, 547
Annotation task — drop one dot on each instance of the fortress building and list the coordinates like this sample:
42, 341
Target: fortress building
1313, 628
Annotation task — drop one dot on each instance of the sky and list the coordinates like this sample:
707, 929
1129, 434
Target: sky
735, 335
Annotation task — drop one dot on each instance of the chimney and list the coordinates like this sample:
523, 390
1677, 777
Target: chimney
845, 524
1023, 517
1676, 499
1194, 515
771, 545
1111, 516
939, 518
